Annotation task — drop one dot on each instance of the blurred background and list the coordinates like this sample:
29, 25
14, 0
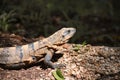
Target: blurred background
97, 21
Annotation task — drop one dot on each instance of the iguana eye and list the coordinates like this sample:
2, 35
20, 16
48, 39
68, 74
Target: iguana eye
68, 31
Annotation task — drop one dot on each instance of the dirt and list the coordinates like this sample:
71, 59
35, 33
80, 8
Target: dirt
83, 62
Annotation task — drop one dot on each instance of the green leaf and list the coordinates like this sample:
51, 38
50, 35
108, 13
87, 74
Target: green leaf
84, 43
58, 74
76, 47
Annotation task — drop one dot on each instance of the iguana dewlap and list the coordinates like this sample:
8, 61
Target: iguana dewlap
32, 53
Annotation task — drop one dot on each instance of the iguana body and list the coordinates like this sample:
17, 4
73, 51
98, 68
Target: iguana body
32, 53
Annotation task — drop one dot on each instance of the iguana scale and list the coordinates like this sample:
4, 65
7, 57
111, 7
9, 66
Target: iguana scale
11, 57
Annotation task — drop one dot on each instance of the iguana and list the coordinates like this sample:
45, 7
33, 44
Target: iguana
13, 57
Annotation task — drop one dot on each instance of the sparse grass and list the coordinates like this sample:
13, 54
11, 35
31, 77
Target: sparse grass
5, 21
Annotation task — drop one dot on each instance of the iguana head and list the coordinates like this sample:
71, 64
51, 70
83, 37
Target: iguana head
63, 35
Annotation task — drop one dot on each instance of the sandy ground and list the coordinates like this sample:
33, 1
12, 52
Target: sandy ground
82, 63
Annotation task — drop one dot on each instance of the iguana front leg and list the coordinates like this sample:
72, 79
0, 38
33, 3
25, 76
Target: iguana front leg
48, 58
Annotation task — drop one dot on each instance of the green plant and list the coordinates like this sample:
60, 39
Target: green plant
5, 20
58, 75
84, 43
76, 47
